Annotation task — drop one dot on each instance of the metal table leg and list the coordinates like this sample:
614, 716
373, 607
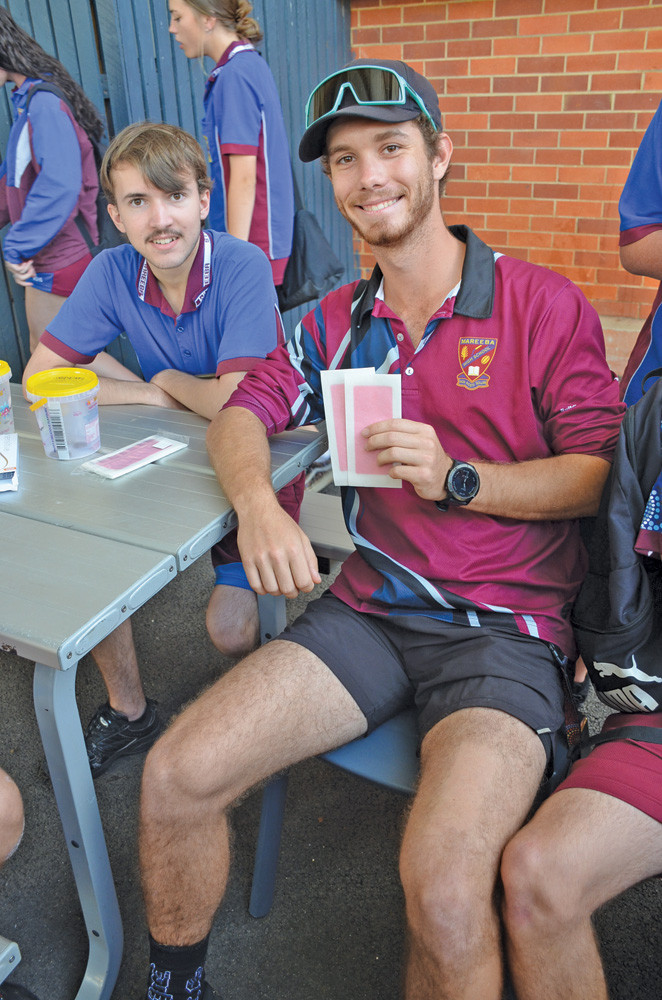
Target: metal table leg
10, 956
62, 738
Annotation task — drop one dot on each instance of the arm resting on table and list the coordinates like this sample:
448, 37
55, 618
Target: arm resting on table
275, 552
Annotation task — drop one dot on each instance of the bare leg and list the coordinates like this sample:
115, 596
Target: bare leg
11, 816
480, 771
276, 707
40, 308
232, 620
581, 849
115, 656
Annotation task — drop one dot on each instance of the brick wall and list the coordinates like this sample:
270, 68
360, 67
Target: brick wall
546, 102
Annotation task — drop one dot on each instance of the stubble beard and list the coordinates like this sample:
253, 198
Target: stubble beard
388, 234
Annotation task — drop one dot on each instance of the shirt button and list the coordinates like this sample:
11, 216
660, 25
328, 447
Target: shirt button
180, 329
187, 354
400, 336
409, 371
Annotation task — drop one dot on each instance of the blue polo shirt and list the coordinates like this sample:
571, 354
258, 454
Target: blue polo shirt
229, 320
243, 116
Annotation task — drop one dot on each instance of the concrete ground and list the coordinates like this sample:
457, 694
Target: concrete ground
336, 928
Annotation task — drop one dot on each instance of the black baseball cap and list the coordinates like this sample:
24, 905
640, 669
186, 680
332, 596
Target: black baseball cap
386, 90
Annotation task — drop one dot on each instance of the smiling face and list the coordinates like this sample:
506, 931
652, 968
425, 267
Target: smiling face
384, 181
163, 226
188, 27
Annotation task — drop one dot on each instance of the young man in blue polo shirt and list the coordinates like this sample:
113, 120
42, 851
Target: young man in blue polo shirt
458, 594
192, 302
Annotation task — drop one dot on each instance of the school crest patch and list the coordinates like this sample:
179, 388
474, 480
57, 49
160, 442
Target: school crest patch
475, 354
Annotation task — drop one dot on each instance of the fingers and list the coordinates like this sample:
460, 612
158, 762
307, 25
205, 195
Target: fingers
286, 567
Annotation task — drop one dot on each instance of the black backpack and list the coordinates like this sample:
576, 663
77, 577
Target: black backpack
109, 234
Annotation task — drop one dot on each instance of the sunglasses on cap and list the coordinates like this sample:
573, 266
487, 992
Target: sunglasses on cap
368, 85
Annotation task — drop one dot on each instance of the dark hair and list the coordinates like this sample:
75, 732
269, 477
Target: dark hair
162, 153
430, 138
19, 53
233, 15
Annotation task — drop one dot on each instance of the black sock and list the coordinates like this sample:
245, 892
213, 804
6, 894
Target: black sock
176, 972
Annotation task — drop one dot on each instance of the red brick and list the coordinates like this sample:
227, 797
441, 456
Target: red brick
515, 85
585, 175
524, 122
471, 10
580, 140
423, 13
508, 8
472, 49
541, 64
653, 81
366, 36
489, 172
607, 81
537, 139
510, 190
596, 62
535, 174
597, 20
539, 102
611, 120
613, 157
558, 122
555, 191
489, 28
493, 67
638, 61
529, 46
453, 30
402, 33
547, 24
611, 41
492, 102
637, 101
380, 16
588, 102
512, 155
567, 44
564, 83
569, 157
540, 207
646, 17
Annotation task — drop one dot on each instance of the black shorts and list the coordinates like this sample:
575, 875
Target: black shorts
389, 663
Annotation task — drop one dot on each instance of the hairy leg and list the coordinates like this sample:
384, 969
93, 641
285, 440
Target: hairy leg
481, 769
232, 620
115, 656
40, 308
581, 849
276, 707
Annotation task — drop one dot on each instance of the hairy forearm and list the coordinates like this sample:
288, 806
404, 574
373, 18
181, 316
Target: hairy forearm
201, 395
114, 391
239, 453
549, 489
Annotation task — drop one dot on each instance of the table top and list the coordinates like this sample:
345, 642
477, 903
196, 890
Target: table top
174, 505
80, 553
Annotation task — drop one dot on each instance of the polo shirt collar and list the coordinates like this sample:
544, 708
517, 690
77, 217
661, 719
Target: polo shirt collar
475, 297
199, 279
232, 50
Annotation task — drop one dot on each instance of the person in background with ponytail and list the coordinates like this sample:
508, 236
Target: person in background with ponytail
48, 178
253, 196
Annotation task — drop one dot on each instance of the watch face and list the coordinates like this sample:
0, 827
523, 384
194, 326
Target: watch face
463, 482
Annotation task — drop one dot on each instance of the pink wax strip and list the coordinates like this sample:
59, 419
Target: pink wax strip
371, 404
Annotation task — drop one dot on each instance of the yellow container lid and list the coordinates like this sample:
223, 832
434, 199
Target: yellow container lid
61, 382
4, 369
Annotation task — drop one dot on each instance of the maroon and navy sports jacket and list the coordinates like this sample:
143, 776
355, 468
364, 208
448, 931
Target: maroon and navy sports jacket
511, 368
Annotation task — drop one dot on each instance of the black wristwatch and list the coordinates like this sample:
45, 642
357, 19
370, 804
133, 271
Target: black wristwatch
462, 485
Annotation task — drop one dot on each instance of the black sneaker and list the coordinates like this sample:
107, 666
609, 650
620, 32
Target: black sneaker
580, 691
110, 736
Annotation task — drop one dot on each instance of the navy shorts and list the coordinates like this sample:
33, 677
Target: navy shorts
389, 663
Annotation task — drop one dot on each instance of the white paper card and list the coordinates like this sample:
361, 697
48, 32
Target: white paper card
133, 456
367, 401
333, 394
8, 463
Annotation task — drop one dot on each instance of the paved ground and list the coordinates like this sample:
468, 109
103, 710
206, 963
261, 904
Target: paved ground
336, 927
